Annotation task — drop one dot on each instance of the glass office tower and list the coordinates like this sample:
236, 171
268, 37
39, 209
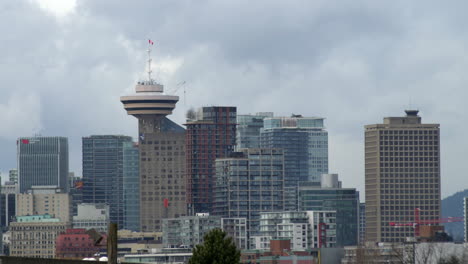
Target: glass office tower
103, 173
305, 144
42, 161
131, 186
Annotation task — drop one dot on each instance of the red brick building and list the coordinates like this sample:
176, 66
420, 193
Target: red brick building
76, 244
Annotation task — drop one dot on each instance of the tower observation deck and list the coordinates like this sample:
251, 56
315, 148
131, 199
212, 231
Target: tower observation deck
149, 103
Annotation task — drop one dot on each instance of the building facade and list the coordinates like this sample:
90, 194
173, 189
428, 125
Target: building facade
237, 229
76, 244
41, 201
330, 196
35, 236
362, 223
210, 135
248, 183
131, 186
402, 173
162, 154
248, 130
103, 161
188, 231
465, 215
42, 161
92, 216
305, 229
13, 175
7, 204
305, 144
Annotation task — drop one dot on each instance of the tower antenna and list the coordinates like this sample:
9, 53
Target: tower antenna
150, 43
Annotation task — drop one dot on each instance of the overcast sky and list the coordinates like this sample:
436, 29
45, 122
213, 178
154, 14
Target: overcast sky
65, 63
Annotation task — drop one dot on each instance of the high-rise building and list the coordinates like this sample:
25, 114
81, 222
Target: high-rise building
305, 144
103, 162
7, 204
402, 173
330, 196
13, 175
248, 183
248, 129
42, 161
42, 200
162, 154
211, 134
362, 223
305, 229
131, 186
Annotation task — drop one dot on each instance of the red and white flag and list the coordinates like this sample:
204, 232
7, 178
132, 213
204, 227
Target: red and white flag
150, 42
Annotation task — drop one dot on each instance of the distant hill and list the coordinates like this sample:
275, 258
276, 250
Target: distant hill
452, 206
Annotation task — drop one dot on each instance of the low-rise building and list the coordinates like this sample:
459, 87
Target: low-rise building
35, 236
161, 256
305, 229
131, 242
279, 251
76, 244
92, 216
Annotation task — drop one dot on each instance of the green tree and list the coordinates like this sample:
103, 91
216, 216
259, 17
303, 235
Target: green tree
216, 248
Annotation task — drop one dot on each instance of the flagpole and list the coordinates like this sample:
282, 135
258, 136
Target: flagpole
149, 61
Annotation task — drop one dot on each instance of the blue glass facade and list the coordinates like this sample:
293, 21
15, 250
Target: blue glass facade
103, 160
131, 186
248, 130
305, 144
344, 201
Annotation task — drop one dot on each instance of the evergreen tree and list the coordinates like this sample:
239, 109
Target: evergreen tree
216, 248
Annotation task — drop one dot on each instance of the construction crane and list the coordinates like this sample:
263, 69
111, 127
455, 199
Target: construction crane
418, 222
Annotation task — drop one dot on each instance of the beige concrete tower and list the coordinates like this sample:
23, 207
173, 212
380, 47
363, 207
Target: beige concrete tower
402, 171
162, 153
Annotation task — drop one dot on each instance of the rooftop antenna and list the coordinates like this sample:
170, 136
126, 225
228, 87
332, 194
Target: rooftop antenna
150, 43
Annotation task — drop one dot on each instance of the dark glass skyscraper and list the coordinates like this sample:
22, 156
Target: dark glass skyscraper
210, 135
103, 173
42, 161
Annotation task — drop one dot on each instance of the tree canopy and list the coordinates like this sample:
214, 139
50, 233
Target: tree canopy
217, 248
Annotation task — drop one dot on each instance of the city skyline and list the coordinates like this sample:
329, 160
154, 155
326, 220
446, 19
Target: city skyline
380, 68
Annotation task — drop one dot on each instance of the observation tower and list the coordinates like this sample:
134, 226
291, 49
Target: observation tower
161, 144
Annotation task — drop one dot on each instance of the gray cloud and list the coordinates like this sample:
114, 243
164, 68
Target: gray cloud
353, 63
